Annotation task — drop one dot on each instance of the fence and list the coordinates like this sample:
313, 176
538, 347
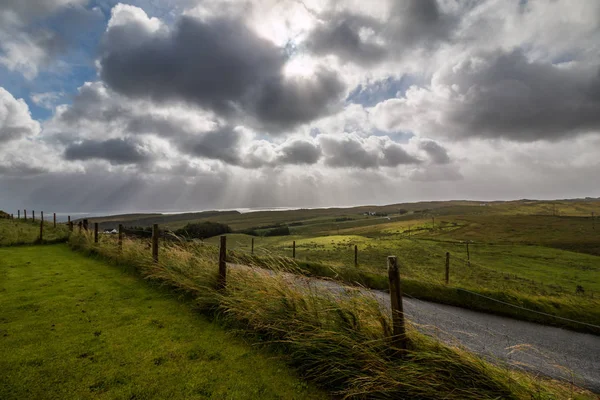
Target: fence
155, 234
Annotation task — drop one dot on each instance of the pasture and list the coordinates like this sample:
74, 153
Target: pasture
75, 327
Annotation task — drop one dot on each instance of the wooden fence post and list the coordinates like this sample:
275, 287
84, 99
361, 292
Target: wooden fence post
294, 249
70, 226
399, 331
95, 232
80, 224
447, 267
355, 256
468, 256
41, 231
25, 214
85, 224
54, 217
42, 216
252, 247
222, 282
155, 243
68, 219
18, 214
120, 237
33, 215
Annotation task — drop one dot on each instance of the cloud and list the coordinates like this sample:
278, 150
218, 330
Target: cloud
116, 151
437, 173
221, 144
15, 119
28, 41
437, 153
368, 40
349, 150
500, 95
19, 168
218, 64
299, 151
47, 99
340, 35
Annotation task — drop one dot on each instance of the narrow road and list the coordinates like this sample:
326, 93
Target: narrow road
554, 352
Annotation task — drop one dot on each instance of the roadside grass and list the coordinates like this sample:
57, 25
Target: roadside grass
74, 327
536, 277
341, 342
15, 232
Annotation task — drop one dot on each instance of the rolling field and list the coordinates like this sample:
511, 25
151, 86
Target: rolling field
542, 255
545, 262
74, 327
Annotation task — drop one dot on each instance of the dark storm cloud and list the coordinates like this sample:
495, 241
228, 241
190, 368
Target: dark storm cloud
340, 36
349, 151
299, 152
394, 155
418, 22
116, 151
218, 64
435, 151
411, 23
290, 101
148, 124
221, 144
506, 95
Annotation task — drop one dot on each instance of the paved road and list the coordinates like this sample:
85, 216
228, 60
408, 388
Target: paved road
551, 351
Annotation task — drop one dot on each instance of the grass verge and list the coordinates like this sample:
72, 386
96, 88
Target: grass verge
74, 328
16, 232
340, 342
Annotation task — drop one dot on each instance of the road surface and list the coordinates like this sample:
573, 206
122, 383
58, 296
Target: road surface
547, 350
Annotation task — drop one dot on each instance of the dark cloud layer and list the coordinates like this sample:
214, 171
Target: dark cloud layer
350, 151
436, 152
221, 144
116, 151
411, 24
340, 35
506, 95
300, 152
218, 64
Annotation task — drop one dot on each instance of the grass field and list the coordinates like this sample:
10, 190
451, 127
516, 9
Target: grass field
74, 327
340, 343
542, 255
545, 262
18, 232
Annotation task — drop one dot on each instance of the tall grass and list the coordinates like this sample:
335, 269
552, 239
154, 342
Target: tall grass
16, 232
341, 341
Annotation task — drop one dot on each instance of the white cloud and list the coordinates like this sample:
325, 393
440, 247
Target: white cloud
15, 119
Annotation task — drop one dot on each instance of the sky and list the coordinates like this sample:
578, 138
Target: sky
174, 105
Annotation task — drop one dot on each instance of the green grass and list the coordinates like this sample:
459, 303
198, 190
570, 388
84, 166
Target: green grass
343, 343
18, 232
537, 277
74, 327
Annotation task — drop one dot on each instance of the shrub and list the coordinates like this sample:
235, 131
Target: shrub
203, 230
280, 231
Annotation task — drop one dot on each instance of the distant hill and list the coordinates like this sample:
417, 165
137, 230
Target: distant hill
351, 216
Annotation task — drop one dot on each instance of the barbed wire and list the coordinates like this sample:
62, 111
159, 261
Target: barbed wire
529, 309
